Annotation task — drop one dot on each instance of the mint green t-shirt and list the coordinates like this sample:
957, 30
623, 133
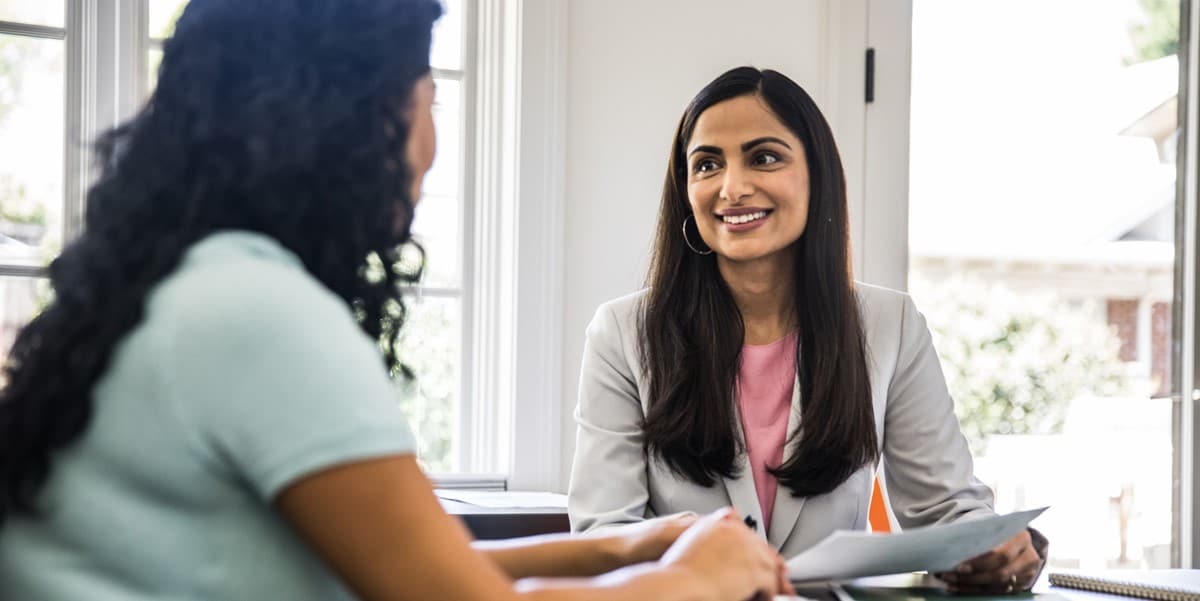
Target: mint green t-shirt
245, 375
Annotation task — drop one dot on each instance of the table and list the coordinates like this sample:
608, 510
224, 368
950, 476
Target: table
490, 523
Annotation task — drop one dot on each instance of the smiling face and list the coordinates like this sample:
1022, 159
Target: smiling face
747, 181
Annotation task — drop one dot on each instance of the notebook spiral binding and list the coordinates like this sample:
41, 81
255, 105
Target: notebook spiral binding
1157, 592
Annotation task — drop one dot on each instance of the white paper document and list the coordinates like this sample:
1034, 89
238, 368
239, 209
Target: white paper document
852, 554
505, 499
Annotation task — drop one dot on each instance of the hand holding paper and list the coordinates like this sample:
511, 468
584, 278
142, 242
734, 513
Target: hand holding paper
851, 554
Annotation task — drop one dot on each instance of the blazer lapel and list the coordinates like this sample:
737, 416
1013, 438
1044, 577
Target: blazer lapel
742, 493
787, 507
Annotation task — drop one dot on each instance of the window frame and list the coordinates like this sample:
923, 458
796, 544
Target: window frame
1187, 292
512, 422
100, 82
42, 32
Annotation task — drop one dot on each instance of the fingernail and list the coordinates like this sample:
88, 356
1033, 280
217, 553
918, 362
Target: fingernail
964, 569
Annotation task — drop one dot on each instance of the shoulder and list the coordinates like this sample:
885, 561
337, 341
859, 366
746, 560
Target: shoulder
617, 315
890, 319
244, 287
877, 299
884, 308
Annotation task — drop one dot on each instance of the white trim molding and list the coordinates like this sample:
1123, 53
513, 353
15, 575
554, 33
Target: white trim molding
511, 411
1188, 494
487, 398
106, 76
537, 413
883, 223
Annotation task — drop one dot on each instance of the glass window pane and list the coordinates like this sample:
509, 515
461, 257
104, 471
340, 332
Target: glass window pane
51, 13
1042, 207
21, 299
153, 60
446, 52
31, 156
430, 344
437, 225
163, 14
438, 230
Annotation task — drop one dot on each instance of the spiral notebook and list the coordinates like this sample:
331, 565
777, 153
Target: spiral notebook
1160, 585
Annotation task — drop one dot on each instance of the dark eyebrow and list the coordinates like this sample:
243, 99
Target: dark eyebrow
708, 149
764, 140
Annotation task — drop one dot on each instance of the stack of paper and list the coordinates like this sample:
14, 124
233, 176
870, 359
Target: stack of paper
852, 554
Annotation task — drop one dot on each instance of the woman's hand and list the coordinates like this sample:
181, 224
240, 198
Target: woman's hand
1012, 567
648, 540
733, 561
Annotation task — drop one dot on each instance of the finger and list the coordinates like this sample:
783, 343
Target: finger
1022, 559
1031, 566
724, 513
768, 562
997, 558
1000, 578
991, 588
785, 583
997, 579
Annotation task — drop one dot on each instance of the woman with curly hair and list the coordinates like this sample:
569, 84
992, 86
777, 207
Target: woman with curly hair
201, 413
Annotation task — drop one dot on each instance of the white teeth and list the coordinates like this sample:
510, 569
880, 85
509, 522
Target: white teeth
747, 218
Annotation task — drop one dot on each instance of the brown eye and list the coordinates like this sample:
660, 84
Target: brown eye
766, 158
704, 166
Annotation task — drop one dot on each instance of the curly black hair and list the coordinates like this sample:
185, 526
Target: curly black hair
285, 117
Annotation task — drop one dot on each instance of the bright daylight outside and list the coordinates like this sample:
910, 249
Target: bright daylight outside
1041, 236
32, 90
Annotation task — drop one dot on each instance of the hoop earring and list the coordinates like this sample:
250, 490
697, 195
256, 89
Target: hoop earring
689, 242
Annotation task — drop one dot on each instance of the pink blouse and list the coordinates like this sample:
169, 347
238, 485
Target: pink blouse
764, 395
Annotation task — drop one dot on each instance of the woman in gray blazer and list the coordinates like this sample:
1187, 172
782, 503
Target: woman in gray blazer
751, 320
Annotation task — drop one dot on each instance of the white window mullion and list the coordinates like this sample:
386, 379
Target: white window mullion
512, 412
82, 110
486, 417
539, 460
1188, 427
463, 448
106, 48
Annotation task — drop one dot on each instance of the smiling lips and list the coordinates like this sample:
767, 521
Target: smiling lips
747, 218
741, 219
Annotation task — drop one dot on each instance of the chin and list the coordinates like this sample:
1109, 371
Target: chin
744, 256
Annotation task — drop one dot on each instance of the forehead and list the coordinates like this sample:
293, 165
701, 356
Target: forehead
731, 122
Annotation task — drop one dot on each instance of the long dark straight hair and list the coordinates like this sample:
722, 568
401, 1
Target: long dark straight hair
284, 117
691, 331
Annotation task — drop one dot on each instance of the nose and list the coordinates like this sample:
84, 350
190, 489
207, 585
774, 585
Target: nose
736, 186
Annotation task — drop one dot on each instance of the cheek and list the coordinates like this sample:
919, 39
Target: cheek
422, 147
701, 198
792, 197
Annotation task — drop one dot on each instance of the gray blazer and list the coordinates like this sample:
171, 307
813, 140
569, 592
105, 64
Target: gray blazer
928, 469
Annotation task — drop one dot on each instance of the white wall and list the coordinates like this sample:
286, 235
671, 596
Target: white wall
632, 66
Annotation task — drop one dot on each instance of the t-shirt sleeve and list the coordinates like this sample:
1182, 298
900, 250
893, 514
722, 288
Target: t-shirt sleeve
274, 378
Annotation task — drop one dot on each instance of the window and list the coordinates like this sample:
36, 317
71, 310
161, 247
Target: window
432, 339
33, 59
1042, 242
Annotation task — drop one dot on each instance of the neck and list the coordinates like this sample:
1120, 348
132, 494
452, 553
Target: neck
762, 290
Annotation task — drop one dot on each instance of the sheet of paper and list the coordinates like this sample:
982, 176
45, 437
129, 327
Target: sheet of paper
504, 498
852, 554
